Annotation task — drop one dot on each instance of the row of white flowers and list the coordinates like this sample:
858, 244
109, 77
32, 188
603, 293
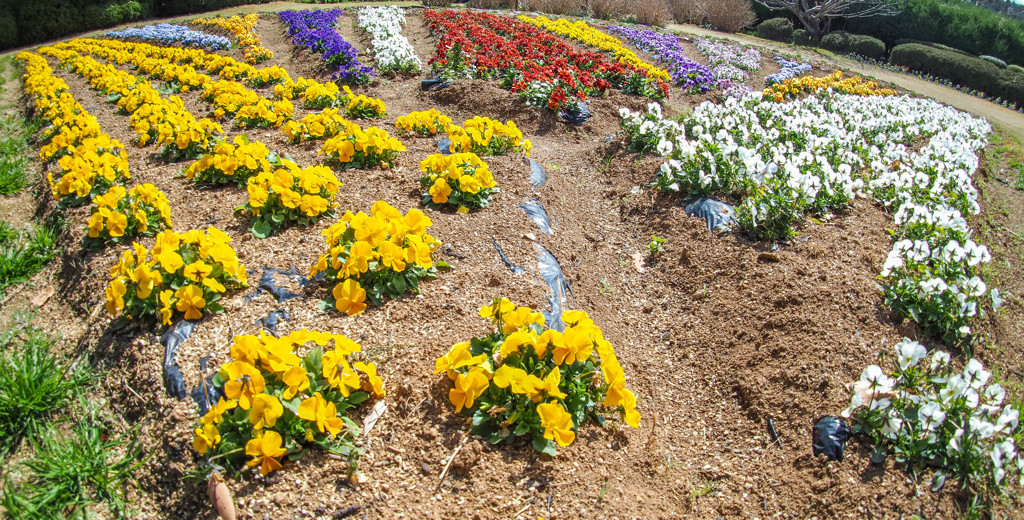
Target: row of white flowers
391, 50
817, 155
932, 414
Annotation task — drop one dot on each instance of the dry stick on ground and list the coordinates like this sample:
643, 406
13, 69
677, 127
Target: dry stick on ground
450, 459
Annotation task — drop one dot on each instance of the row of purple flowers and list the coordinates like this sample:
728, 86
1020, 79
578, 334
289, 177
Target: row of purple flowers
314, 30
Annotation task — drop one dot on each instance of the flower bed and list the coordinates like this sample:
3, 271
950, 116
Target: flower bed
243, 28
391, 50
289, 195
584, 33
831, 156
314, 30
185, 278
526, 380
279, 400
543, 70
372, 256
792, 88
90, 161
117, 217
790, 70
167, 34
729, 63
460, 180
692, 76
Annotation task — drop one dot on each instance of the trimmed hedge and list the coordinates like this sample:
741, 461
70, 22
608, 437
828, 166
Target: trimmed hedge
778, 29
995, 61
1016, 68
967, 71
846, 43
955, 23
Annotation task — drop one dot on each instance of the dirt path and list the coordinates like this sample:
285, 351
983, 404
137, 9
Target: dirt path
1009, 120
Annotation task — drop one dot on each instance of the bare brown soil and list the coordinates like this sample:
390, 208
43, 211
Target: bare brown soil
717, 336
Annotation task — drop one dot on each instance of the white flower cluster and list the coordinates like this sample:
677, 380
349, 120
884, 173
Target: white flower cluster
391, 50
932, 413
817, 155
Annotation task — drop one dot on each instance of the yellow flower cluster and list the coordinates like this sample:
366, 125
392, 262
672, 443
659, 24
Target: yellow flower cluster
318, 125
526, 379
584, 33
383, 253
250, 110
485, 136
91, 162
290, 194
276, 400
364, 107
354, 147
243, 28
165, 121
425, 123
793, 87
182, 78
187, 275
269, 76
144, 212
230, 163
460, 180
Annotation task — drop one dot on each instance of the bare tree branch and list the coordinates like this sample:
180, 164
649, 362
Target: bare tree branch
817, 15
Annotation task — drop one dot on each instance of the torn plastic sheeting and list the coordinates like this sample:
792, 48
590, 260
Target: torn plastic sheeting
537, 214
718, 215
173, 381
270, 321
830, 436
553, 276
444, 145
206, 394
269, 284
538, 177
577, 116
434, 84
501, 254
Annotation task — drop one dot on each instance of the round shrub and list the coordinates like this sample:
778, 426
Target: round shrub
778, 29
836, 41
866, 46
964, 70
993, 60
8, 31
1016, 68
802, 37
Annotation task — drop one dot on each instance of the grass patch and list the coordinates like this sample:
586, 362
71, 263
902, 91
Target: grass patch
33, 384
25, 254
13, 177
72, 471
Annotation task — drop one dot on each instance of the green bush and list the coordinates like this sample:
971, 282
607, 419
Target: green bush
954, 23
1016, 68
996, 61
866, 46
836, 41
967, 71
778, 29
802, 37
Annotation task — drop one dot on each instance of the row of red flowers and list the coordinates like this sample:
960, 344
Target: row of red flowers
531, 62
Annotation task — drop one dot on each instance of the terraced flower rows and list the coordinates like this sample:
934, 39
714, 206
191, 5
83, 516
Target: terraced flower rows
795, 151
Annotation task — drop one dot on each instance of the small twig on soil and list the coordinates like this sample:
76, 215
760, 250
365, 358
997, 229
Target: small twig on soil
458, 448
775, 435
1008, 230
521, 511
654, 424
132, 390
346, 512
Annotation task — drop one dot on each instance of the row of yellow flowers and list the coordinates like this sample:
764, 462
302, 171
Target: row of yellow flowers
243, 28
154, 118
90, 161
794, 87
584, 33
